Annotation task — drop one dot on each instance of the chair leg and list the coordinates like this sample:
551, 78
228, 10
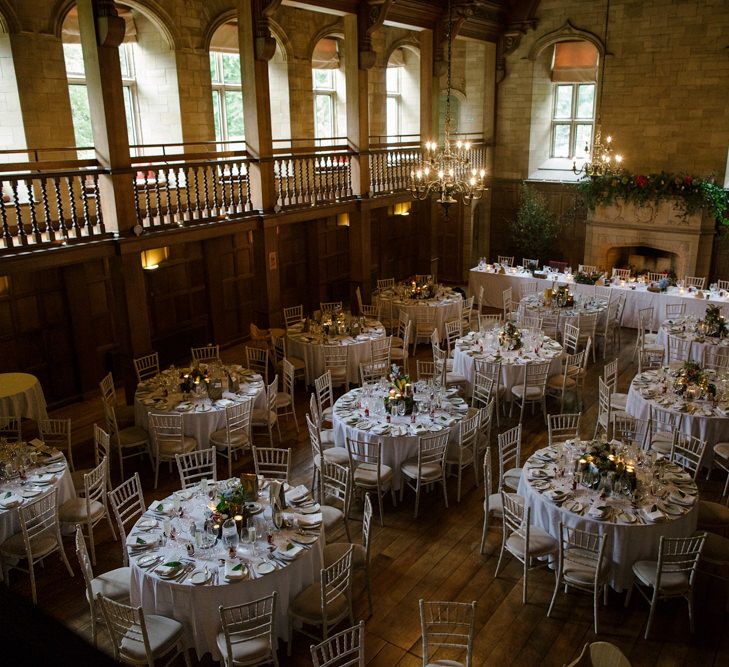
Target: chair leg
526, 580
484, 530
290, 636
417, 500
379, 502
445, 490
93, 545
369, 587
654, 600
554, 594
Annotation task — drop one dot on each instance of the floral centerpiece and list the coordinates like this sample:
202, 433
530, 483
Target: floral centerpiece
510, 336
193, 379
714, 323
401, 391
693, 382
601, 467
421, 290
232, 502
587, 277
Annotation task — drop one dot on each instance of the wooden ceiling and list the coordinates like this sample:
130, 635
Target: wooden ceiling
478, 19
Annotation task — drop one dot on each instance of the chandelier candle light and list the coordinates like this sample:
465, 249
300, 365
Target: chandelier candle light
445, 171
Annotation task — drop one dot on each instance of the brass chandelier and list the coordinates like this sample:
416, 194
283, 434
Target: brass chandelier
444, 171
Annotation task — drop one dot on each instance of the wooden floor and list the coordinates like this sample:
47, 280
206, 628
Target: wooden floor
437, 557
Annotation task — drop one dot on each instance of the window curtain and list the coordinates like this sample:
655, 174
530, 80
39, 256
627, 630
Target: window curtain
326, 54
574, 62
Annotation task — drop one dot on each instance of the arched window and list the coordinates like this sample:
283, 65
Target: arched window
328, 81
227, 84
403, 94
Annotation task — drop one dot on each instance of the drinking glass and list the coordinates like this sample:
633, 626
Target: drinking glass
230, 536
251, 526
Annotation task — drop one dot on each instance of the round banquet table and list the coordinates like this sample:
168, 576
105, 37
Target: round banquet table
484, 347
533, 305
309, 346
21, 395
400, 437
448, 305
196, 606
683, 329
701, 419
201, 416
52, 471
632, 536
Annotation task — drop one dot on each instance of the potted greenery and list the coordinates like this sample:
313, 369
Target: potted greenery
534, 232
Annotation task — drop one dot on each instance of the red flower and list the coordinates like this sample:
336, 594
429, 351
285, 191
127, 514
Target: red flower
688, 180
641, 181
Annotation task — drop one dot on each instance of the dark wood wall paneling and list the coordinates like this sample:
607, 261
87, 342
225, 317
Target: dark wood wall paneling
448, 242
330, 245
562, 202
294, 266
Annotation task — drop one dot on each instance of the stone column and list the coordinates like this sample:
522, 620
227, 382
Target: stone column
196, 97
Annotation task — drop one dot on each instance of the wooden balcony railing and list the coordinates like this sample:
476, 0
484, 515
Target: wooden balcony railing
49, 203
176, 190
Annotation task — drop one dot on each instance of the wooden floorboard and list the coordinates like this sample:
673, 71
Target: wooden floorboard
437, 557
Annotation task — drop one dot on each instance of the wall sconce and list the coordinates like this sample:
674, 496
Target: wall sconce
403, 208
343, 220
4, 285
151, 259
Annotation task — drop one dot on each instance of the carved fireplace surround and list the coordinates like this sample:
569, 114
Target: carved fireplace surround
661, 226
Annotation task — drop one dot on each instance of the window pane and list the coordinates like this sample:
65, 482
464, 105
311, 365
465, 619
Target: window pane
561, 141
323, 79
393, 79
323, 116
393, 117
563, 102
583, 140
129, 113
214, 69
234, 114
216, 115
585, 100
125, 55
231, 68
81, 115
74, 58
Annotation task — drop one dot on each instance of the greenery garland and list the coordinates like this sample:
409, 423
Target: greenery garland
693, 194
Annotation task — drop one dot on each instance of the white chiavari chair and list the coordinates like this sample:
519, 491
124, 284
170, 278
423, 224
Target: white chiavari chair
320, 452
248, 632
280, 354
399, 334
324, 396
678, 350
529, 287
656, 276
385, 283
629, 429
622, 274
336, 493
483, 390
695, 281
618, 400
687, 451
449, 627
380, 349
206, 354
146, 367
489, 322
605, 411
675, 310
462, 452
507, 301
587, 324
505, 260
266, 418
716, 358
468, 314
129, 442
427, 468
369, 473
285, 399
195, 466
609, 330
522, 540
650, 359
560, 384
329, 306
510, 470
257, 361
102, 448
453, 331
293, 315
372, 311
56, 434
570, 338
425, 324
11, 428
336, 364
272, 463
533, 389
373, 371
124, 413
400, 355
665, 426
235, 436
531, 264
127, 501
492, 370
345, 649
168, 439
565, 426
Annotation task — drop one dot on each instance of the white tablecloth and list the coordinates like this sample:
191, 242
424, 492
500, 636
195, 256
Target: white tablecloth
467, 351
309, 347
9, 524
494, 284
697, 347
628, 542
196, 423
395, 449
21, 395
447, 308
713, 429
196, 606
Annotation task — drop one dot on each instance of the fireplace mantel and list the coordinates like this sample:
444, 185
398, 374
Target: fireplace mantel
661, 226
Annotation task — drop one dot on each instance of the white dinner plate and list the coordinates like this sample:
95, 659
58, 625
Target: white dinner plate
265, 567
199, 577
31, 492
304, 539
147, 524
147, 559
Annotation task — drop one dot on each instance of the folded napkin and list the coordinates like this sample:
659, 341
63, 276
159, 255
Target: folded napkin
309, 519
555, 495
159, 507
652, 513
289, 551
597, 511
538, 473
681, 498
297, 493
234, 570
168, 568
150, 539
8, 500
44, 478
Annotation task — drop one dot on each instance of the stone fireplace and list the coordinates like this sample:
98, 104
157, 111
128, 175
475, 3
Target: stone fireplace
653, 237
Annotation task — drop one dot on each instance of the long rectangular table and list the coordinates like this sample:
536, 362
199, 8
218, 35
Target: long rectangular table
494, 285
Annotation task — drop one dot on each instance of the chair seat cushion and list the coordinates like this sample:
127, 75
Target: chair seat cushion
334, 551
39, 545
671, 582
167, 448
445, 663
336, 455
455, 378
396, 341
74, 510
219, 439
296, 362
512, 477
366, 474
555, 382
618, 401
540, 543
532, 393
326, 415
133, 435
496, 505
580, 566
338, 372
713, 515
307, 604
247, 652
331, 516
262, 417
283, 400
429, 472
398, 353
163, 633
113, 584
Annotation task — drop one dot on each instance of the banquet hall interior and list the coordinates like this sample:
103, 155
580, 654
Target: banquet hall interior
389, 331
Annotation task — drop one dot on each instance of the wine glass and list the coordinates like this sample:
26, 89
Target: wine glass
230, 536
251, 526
